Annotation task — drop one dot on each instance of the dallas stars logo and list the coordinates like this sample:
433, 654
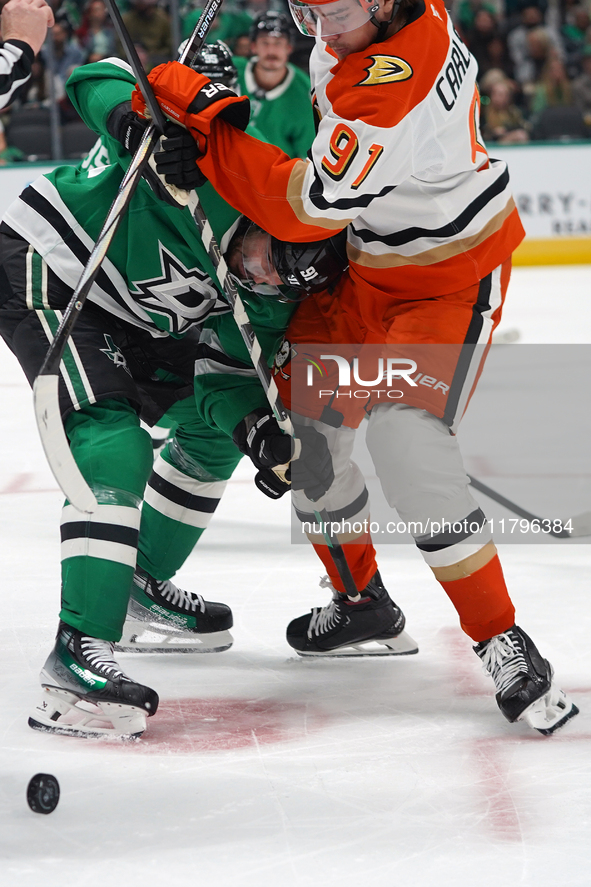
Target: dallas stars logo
184, 295
386, 69
114, 354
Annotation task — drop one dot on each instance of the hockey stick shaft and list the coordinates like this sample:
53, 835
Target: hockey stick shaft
127, 188
200, 32
512, 506
124, 36
46, 387
192, 47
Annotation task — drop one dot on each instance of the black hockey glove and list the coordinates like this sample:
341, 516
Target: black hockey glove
176, 161
271, 484
312, 471
259, 436
125, 126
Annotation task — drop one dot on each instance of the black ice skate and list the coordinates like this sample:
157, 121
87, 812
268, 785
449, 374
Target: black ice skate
523, 680
163, 618
372, 626
87, 694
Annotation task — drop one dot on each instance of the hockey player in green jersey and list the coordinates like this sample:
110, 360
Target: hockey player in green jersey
132, 353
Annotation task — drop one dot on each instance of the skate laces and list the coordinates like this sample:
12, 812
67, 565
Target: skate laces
504, 660
325, 618
178, 597
99, 655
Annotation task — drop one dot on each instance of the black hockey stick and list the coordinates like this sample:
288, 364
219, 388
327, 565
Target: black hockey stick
240, 314
580, 523
45, 389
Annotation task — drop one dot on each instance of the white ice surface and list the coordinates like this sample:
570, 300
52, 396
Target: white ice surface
262, 769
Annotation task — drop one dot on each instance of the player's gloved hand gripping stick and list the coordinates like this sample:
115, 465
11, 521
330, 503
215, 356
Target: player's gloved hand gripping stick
45, 389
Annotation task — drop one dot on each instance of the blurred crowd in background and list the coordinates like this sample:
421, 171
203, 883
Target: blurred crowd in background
534, 62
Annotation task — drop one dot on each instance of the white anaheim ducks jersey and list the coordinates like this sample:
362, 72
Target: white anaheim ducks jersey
398, 157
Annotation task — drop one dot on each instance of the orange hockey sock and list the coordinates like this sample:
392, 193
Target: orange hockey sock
482, 601
361, 557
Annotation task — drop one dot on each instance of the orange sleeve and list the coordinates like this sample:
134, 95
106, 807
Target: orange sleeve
262, 182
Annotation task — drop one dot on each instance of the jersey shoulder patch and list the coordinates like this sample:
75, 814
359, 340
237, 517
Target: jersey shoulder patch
383, 84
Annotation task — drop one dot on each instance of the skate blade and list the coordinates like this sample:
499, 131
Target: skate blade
149, 637
402, 645
63, 712
551, 712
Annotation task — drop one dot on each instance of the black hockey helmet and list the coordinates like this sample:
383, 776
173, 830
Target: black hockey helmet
276, 24
263, 263
215, 61
310, 266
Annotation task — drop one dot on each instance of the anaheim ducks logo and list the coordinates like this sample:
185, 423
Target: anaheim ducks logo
386, 69
282, 359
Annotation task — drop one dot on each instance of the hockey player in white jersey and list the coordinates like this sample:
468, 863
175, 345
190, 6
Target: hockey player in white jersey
398, 160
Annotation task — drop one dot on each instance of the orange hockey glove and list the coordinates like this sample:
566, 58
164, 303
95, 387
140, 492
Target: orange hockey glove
192, 100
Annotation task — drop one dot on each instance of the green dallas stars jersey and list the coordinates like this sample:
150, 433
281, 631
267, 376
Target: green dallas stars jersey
157, 274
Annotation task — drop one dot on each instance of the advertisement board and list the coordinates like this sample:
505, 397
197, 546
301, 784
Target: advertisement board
551, 184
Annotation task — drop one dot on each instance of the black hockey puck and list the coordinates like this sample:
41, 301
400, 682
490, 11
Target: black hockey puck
43, 793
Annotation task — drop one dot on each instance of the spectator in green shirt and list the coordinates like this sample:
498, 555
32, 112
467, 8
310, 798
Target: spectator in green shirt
279, 92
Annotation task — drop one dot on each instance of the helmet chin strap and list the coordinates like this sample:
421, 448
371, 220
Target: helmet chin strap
383, 26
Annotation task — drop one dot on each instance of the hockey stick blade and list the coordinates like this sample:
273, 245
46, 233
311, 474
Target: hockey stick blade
581, 523
56, 446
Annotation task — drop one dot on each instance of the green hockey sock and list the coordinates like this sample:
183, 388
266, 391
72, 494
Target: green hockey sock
183, 492
99, 551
